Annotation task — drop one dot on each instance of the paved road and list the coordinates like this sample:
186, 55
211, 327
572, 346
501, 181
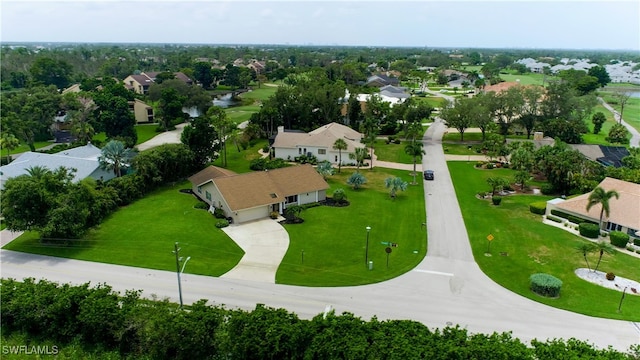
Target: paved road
446, 288
635, 135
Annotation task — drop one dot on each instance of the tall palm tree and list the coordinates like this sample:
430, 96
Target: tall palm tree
414, 149
585, 248
340, 145
603, 247
359, 155
37, 172
115, 157
602, 197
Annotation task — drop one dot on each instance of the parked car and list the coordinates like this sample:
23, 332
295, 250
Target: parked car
428, 175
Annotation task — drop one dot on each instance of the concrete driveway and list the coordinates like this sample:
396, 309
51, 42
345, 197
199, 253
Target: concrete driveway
265, 242
169, 137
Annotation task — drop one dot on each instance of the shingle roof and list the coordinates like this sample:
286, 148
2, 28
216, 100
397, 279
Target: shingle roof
208, 174
324, 136
245, 191
624, 211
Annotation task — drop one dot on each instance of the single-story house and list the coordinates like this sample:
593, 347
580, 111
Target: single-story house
603, 154
253, 196
319, 143
624, 212
381, 80
84, 159
140, 83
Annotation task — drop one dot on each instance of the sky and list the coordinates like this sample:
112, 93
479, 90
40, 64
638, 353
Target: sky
543, 24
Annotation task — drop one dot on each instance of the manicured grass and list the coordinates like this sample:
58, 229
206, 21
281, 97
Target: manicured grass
24, 147
334, 239
600, 138
146, 132
528, 79
631, 113
454, 136
461, 148
532, 247
262, 93
143, 234
433, 101
239, 161
239, 114
392, 152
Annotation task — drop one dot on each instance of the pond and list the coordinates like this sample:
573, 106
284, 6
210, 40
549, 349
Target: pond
223, 101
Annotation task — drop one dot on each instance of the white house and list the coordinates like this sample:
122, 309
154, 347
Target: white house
253, 196
319, 143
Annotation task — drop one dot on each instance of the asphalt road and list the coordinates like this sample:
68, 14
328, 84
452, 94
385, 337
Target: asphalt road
447, 288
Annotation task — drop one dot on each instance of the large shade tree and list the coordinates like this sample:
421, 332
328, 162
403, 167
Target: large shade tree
600, 196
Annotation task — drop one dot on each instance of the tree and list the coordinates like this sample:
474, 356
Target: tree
494, 145
47, 71
395, 184
203, 74
600, 73
10, 142
598, 119
223, 127
600, 196
293, 212
356, 180
497, 183
521, 177
603, 247
354, 112
340, 145
115, 156
622, 97
618, 134
586, 248
414, 149
359, 154
325, 169
80, 127
456, 116
113, 113
200, 137
170, 108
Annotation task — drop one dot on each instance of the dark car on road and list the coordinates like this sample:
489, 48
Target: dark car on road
428, 174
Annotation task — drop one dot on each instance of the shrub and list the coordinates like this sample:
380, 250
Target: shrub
265, 149
589, 230
571, 218
547, 189
219, 213
339, 196
619, 239
555, 218
610, 276
479, 164
496, 200
222, 224
545, 285
274, 215
539, 207
201, 205
489, 166
396, 141
636, 242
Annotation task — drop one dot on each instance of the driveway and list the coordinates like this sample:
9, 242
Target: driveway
265, 242
169, 137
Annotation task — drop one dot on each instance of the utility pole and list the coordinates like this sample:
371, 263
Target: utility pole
176, 251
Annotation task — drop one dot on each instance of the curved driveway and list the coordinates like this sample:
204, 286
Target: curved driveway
446, 288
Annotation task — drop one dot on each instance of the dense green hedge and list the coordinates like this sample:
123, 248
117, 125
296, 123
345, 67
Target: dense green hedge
571, 218
619, 239
636, 242
545, 285
133, 328
589, 230
496, 200
538, 207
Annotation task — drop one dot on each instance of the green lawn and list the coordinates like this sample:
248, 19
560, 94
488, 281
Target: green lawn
239, 161
24, 147
334, 239
392, 152
631, 112
143, 235
600, 138
146, 132
433, 101
252, 103
532, 247
528, 79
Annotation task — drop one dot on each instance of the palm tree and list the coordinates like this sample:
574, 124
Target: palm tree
602, 197
395, 184
38, 172
359, 155
585, 248
115, 157
415, 150
9, 142
83, 131
603, 247
340, 145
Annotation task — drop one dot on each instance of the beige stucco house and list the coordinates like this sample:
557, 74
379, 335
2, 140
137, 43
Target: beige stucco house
319, 143
624, 212
141, 111
253, 196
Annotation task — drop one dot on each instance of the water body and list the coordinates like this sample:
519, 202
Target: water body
223, 101
635, 94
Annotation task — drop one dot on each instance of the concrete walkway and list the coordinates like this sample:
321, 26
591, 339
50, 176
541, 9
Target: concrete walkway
265, 242
169, 137
635, 135
7, 236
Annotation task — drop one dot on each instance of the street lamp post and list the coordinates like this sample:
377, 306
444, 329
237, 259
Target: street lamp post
180, 271
366, 250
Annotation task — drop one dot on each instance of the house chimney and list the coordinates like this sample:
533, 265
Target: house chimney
280, 129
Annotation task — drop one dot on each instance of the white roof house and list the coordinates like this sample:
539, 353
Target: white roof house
84, 159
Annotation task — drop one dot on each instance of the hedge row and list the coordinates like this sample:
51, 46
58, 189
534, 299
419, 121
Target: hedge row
589, 230
636, 242
619, 239
545, 285
539, 207
571, 218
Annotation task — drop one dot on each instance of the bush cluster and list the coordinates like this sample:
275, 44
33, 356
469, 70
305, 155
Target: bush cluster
571, 218
134, 328
266, 164
539, 207
222, 223
547, 189
610, 276
496, 200
592, 231
201, 205
636, 242
619, 239
545, 285
218, 213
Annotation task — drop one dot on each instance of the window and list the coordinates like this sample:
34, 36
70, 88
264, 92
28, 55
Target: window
199, 189
336, 160
207, 195
299, 151
292, 199
322, 151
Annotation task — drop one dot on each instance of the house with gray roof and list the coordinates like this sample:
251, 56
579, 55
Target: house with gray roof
83, 159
